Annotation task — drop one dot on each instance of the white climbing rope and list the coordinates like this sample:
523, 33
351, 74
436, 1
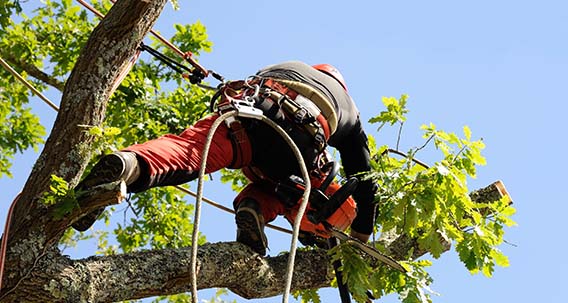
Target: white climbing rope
297, 221
198, 198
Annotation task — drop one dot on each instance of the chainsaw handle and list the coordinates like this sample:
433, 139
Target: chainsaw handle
333, 170
334, 203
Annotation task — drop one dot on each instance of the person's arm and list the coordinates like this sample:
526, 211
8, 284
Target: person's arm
354, 152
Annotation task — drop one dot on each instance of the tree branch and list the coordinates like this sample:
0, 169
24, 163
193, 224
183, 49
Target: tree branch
87, 201
35, 72
398, 246
162, 272
491, 193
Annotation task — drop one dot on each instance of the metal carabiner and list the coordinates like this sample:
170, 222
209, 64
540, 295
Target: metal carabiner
254, 97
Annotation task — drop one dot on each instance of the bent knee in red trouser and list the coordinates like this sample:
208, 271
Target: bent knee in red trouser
265, 196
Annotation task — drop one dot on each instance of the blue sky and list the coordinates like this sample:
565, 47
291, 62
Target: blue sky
499, 67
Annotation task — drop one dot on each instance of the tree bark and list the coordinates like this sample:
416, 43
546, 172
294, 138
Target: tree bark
162, 272
33, 233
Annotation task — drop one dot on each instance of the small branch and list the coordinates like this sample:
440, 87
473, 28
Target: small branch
399, 135
35, 72
425, 143
459, 153
87, 201
397, 152
399, 246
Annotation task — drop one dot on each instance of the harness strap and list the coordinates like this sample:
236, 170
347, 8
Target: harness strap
322, 102
309, 95
281, 88
242, 153
301, 103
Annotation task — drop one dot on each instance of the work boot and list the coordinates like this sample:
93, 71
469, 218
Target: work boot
111, 168
250, 226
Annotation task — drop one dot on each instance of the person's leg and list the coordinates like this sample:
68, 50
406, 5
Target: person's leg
168, 160
172, 159
255, 206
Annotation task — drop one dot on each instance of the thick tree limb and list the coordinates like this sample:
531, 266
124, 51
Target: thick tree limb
161, 272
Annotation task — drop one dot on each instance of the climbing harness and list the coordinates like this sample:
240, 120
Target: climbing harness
291, 110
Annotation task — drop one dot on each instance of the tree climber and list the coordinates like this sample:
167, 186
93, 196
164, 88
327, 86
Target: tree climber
310, 102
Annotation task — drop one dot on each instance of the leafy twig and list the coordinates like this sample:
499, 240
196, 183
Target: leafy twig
399, 134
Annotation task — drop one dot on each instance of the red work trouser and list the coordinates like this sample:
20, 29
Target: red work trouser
176, 159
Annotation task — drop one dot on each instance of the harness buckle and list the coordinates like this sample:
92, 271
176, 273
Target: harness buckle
247, 110
245, 106
302, 116
319, 139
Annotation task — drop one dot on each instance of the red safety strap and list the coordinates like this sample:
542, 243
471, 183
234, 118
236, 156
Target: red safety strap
5, 236
243, 152
281, 88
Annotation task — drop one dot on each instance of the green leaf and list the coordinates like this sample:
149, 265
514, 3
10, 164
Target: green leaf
395, 113
307, 295
467, 133
500, 258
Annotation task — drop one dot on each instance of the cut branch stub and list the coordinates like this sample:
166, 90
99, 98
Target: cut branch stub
494, 192
99, 196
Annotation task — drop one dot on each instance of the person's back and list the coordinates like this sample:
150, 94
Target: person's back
267, 144
273, 157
